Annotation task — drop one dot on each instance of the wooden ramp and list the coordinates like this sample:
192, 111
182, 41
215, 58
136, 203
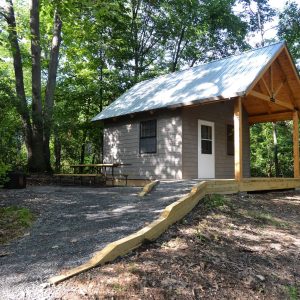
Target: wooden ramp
175, 212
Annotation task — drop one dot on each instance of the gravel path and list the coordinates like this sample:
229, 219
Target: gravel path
72, 224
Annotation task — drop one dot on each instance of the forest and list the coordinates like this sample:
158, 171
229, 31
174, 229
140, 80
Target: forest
62, 62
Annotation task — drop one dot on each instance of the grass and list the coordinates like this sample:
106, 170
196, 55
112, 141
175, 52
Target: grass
117, 287
13, 222
267, 219
292, 292
200, 236
214, 201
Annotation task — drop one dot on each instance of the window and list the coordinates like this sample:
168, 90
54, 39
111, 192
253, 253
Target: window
148, 136
206, 139
230, 139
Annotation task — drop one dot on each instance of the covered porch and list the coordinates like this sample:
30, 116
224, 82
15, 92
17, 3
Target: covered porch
274, 96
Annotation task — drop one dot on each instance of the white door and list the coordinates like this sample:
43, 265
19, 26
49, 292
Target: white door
206, 149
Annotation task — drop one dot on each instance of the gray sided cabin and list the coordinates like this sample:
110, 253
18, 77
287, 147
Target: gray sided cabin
195, 123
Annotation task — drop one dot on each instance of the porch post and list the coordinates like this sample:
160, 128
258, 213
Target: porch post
296, 144
238, 140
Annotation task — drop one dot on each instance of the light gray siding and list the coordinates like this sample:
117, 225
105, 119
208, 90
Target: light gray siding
221, 114
121, 144
177, 143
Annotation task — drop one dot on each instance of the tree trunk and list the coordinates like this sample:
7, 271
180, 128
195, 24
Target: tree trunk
51, 83
37, 132
21, 103
135, 7
101, 108
177, 51
83, 144
37, 113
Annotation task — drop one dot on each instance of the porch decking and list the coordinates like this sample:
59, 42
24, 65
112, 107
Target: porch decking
229, 186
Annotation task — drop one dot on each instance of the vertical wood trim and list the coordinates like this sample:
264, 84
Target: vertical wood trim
238, 141
296, 144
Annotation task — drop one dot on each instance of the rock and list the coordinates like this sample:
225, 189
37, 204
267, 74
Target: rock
5, 254
249, 281
45, 285
261, 278
275, 246
170, 282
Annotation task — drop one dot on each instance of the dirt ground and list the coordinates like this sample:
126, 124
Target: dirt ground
237, 247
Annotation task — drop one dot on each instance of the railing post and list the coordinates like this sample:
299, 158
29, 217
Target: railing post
238, 139
296, 144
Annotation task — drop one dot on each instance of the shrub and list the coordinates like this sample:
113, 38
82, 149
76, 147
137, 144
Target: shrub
3, 172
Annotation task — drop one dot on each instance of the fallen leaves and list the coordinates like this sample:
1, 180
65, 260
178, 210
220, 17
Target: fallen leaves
217, 254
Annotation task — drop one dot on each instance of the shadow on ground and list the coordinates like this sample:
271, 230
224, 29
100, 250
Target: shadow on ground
72, 224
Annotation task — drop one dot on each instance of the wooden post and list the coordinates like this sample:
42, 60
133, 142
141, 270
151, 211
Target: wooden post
296, 144
238, 141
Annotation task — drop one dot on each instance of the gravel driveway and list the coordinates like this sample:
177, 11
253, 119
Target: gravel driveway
72, 224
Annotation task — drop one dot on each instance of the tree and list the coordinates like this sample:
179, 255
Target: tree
258, 13
37, 124
200, 31
289, 27
11, 142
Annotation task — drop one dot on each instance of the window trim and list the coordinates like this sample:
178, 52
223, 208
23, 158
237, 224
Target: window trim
148, 137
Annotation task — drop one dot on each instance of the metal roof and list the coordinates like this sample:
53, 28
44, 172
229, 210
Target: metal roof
224, 78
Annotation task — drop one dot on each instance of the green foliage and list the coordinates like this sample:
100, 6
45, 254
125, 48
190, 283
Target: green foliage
13, 221
293, 292
23, 215
267, 219
214, 201
200, 236
262, 149
289, 27
11, 141
3, 171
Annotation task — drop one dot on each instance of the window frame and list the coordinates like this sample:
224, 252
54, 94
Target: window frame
148, 137
208, 139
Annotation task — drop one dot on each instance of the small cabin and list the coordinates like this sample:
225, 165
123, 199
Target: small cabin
195, 123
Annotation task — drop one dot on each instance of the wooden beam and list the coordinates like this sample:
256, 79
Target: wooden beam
238, 140
290, 92
280, 86
267, 98
292, 63
284, 78
267, 105
266, 86
296, 144
270, 118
